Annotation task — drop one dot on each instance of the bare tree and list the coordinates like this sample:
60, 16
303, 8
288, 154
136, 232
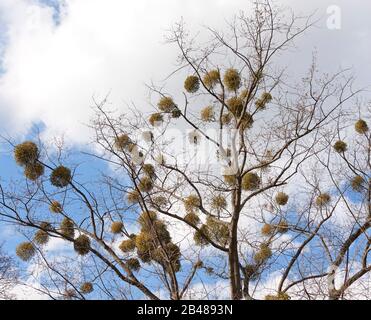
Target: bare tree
8, 275
189, 207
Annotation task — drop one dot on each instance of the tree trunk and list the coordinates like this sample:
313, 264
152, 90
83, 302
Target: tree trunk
234, 266
234, 271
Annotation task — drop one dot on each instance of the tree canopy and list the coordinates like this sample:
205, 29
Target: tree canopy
242, 178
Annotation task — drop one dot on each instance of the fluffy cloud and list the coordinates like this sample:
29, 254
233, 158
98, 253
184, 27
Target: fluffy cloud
53, 71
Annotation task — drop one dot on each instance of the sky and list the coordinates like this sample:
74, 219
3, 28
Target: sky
57, 55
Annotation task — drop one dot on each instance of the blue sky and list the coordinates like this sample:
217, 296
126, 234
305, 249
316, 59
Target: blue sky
56, 5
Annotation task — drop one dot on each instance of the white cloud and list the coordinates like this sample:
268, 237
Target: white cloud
58, 245
28, 291
209, 291
52, 71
